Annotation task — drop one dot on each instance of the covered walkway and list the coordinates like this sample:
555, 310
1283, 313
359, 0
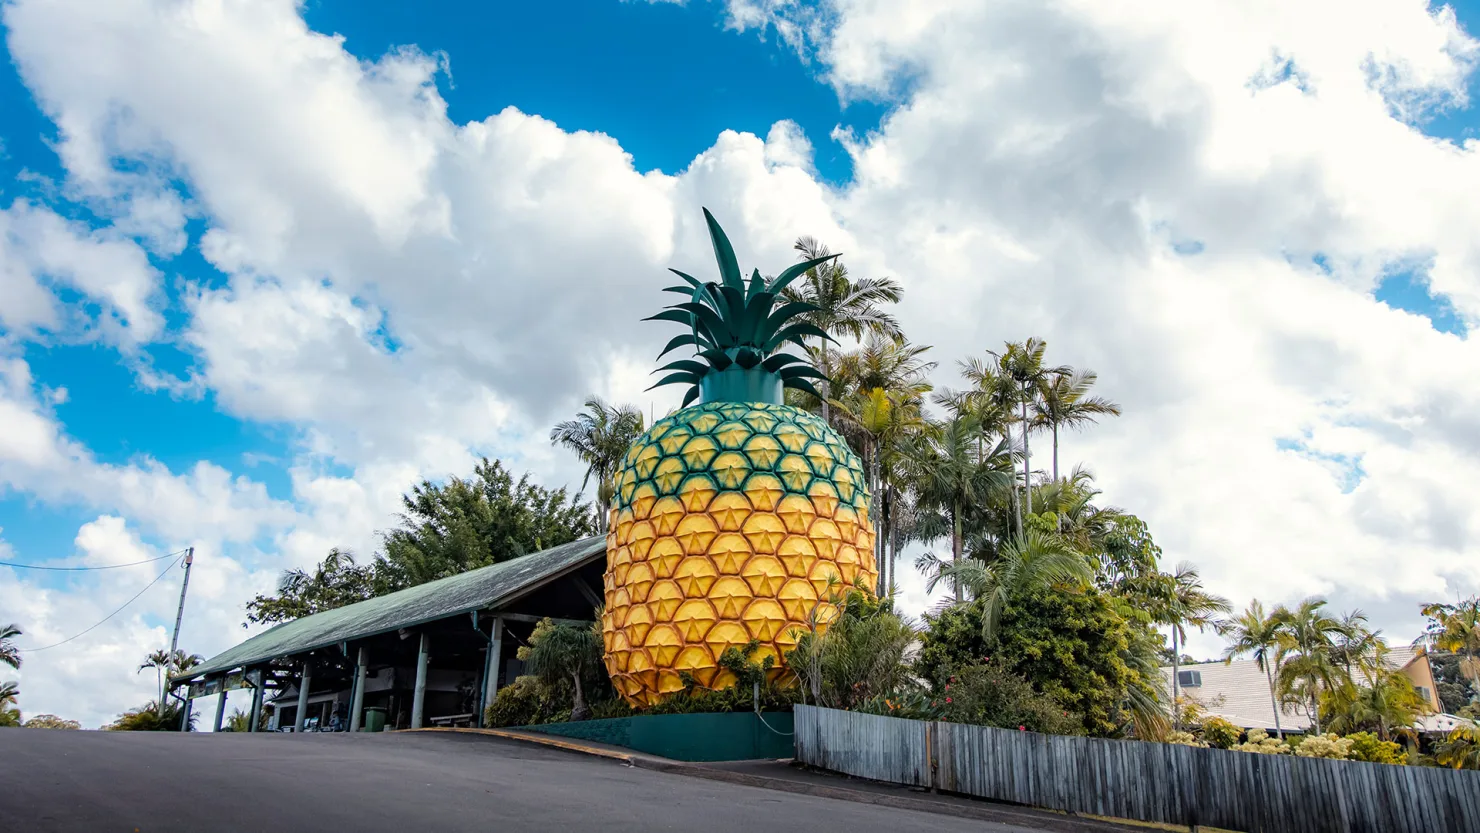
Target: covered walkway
433, 654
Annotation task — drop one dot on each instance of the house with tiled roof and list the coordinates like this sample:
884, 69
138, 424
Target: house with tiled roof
1239, 692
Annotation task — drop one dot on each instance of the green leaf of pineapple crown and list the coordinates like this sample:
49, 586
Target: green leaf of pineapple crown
733, 322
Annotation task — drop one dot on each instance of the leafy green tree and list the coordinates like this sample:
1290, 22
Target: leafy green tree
1369, 747
560, 653
334, 582
1072, 647
1064, 401
461, 525
600, 437
1257, 634
51, 721
9, 654
1039, 561
1456, 628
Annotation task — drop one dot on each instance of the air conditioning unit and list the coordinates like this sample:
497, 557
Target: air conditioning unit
1189, 679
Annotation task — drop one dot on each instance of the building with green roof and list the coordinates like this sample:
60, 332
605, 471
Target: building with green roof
433, 654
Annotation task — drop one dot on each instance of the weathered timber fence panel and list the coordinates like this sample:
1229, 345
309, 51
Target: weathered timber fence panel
866, 745
1152, 782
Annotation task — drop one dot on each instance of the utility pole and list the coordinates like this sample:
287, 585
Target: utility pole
180, 612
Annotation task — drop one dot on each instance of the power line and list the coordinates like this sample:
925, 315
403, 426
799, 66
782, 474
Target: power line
109, 616
104, 567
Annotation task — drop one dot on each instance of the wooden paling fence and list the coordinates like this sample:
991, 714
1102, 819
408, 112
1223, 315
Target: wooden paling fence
1154, 782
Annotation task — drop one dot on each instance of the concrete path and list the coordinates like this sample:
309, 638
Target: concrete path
135, 782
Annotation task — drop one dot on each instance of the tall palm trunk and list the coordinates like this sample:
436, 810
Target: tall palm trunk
882, 541
1027, 458
1279, 732
956, 544
1055, 450
578, 711
1017, 508
893, 559
1176, 681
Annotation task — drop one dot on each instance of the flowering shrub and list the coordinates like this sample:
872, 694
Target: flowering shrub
912, 705
1325, 746
1220, 733
1367, 747
1185, 739
1260, 743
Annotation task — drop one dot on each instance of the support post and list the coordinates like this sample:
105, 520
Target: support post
257, 695
357, 699
304, 681
185, 710
180, 611
220, 706
493, 667
419, 698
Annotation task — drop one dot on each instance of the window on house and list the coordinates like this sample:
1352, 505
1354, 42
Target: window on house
1189, 679
1423, 692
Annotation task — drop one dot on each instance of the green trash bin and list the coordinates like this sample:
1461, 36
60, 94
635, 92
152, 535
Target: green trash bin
375, 719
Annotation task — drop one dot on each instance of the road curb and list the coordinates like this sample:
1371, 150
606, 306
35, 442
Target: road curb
1038, 819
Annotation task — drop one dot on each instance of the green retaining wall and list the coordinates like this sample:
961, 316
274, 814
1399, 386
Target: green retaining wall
737, 736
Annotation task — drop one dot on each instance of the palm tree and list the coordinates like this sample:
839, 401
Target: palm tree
1305, 660
1187, 603
565, 652
9, 654
600, 437
1023, 365
1063, 401
992, 400
1357, 648
9, 714
1387, 704
1036, 560
160, 662
950, 477
1253, 632
1456, 628
843, 306
882, 386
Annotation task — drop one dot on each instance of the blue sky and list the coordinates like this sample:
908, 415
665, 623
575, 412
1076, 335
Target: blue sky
664, 80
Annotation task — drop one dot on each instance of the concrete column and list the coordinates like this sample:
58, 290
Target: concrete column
493, 667
257, 696
220, 706
357, 699
419, 700
185, 712
305, 680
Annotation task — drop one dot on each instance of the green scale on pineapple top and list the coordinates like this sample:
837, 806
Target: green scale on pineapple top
727, 444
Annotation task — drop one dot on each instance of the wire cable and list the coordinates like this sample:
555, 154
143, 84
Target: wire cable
104, 567
109, 616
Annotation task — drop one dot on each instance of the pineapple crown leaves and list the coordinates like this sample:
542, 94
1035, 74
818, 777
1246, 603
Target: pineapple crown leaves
735, 322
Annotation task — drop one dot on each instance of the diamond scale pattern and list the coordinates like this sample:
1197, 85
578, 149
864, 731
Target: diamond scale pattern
731, 522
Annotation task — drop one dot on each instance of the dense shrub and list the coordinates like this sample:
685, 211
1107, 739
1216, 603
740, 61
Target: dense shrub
910, 705
1368, 747
150, 718
1220, 733
516, 704
1325, 746
51, 721
1071, 646
1261, 743
1182, 738
991, 695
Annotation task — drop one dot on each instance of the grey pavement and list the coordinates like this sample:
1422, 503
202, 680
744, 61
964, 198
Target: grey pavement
73, 781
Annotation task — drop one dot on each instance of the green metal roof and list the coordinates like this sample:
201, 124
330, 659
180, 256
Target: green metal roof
483, 588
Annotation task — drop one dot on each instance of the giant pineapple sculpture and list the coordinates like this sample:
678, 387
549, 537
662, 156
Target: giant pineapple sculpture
737, 517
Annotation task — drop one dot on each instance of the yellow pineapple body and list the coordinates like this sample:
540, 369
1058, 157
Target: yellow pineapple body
731, 522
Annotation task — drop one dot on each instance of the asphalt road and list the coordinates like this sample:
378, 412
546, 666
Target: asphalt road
100, 782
